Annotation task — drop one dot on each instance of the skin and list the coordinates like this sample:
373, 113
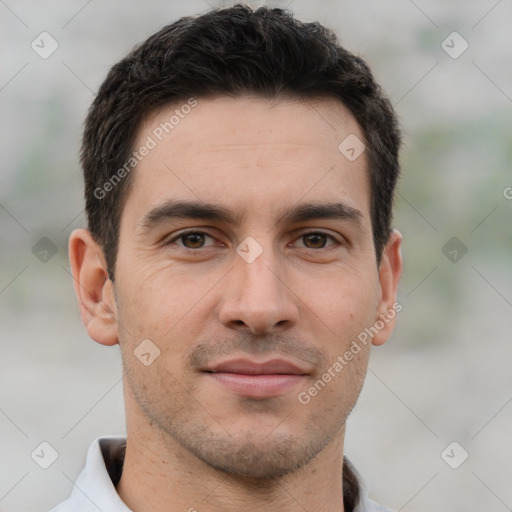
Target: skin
193, 443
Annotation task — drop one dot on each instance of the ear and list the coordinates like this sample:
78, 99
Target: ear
93, 288
390, 270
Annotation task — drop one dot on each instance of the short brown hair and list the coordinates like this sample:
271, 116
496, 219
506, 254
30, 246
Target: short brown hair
230, 51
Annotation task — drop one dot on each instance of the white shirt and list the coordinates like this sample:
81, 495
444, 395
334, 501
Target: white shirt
94, 489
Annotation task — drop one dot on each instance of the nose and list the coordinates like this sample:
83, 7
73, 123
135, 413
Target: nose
257, 297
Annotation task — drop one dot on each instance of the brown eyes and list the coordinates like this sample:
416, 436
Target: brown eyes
197, 240
317, 240
192, 240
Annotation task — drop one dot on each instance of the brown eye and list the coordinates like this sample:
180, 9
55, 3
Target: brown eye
316, 240
191, 240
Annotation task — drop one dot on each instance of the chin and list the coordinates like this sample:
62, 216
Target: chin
267, 456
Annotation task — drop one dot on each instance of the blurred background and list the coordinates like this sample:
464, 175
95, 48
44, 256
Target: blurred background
431, 430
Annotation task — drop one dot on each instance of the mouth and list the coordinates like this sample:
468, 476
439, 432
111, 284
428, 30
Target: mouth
253, 379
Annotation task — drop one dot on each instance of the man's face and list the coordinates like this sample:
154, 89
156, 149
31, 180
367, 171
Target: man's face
251, 307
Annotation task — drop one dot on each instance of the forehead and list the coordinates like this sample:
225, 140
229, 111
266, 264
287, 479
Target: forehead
248, 154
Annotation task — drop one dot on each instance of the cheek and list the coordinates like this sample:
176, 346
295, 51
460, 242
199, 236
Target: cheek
346, 302
155, 291
165, 305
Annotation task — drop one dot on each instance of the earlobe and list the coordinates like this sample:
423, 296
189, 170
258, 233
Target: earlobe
390, 271
93, 288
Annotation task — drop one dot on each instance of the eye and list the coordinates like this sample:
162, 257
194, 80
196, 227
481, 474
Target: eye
197, 240
191, 239
317, 240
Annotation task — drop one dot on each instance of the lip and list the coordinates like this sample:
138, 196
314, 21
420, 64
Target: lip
249, 367
254, 379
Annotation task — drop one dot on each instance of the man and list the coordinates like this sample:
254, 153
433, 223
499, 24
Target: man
239, 176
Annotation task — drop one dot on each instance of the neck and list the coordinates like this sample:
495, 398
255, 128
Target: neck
160, 475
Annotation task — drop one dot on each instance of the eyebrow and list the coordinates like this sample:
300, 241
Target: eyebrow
184, 209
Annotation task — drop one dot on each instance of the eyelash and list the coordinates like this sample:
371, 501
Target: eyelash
183, 234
